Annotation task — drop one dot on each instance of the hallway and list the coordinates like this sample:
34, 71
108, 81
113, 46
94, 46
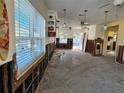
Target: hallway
78, 72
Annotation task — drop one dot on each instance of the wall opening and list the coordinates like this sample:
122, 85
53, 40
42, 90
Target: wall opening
78, 41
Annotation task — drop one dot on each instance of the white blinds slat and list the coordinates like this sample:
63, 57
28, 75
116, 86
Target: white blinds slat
29, 29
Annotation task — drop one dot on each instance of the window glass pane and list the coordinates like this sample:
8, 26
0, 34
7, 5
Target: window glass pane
29, 31
63, 37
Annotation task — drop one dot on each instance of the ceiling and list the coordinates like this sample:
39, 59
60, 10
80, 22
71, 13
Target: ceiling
95, 14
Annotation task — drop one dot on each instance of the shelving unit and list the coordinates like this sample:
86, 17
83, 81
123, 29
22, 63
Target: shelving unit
52, 21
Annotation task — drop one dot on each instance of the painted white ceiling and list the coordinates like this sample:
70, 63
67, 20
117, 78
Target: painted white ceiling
95, 14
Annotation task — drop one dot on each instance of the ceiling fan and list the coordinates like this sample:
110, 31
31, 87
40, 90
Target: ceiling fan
115, 3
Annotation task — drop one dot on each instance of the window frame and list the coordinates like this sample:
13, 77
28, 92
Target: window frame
32, 39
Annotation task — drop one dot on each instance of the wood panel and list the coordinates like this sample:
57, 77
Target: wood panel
50, 50
6, 78
90, 46
95, 47
119, 54
1, 80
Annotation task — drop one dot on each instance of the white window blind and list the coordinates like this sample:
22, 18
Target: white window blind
30, 34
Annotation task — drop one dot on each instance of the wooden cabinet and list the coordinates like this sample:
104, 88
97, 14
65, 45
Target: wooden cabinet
68, 45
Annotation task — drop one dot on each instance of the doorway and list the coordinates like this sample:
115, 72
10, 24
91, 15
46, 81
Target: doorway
111, 42
112, 34
77, 41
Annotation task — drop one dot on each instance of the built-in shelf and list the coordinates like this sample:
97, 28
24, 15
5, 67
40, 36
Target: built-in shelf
52, 21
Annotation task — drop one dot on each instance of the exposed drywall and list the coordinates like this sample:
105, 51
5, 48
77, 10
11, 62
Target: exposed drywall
120, 39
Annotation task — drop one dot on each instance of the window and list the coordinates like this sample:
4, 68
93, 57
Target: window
63, 37
30, 34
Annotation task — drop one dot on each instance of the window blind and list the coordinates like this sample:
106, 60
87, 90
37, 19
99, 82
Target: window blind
29, 31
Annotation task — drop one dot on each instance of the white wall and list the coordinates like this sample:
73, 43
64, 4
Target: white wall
92, 32
70, 32
99, 31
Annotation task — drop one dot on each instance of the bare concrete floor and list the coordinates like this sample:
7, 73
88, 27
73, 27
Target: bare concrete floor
77, 72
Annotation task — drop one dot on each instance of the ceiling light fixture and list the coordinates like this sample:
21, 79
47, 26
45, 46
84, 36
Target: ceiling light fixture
105, 25
85, 15
84, 21
64, 24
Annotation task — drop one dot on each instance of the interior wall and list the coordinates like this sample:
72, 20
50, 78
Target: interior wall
70, 33
92, 32
99, 31
120, 34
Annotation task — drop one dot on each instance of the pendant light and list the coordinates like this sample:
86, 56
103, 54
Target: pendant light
83, 22
85, 16
117, 12
105, 25
64, 25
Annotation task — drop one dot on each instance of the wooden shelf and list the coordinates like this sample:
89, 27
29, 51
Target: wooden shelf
51, 24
